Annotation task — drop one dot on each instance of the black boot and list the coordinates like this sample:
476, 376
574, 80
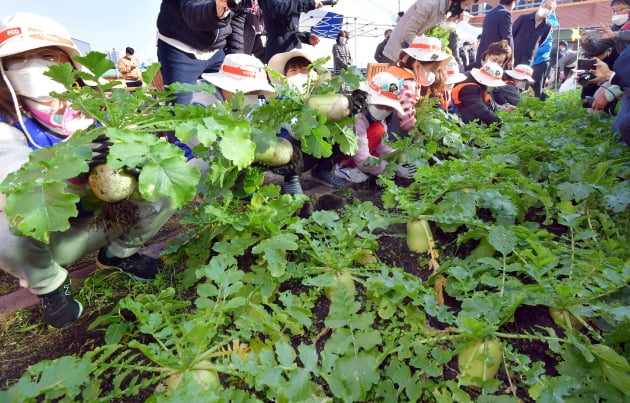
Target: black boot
60, 309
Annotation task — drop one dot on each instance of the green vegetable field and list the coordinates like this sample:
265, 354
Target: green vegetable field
517, 289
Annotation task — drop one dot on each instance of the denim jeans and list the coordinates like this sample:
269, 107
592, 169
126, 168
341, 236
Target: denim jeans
182, 67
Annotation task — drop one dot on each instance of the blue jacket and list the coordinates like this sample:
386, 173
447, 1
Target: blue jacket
497, 26
528, 37
543, 53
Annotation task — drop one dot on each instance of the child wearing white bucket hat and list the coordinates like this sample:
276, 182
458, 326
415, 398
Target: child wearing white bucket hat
30, 118
471, 97
295, 68
517, 81
453, 76
421, 64
384, 98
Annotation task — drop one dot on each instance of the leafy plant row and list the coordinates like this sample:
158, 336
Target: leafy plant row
267, 305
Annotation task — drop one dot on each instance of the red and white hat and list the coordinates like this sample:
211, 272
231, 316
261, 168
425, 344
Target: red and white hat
240, 73
21, 32
453, 75
384, 89
490, 74
426, 49
521, 72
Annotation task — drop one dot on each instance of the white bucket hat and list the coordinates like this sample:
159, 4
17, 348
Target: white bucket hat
240, 73
521, 72
384, 89
453, 76
279, 60
426, 49
21, 32
489, 74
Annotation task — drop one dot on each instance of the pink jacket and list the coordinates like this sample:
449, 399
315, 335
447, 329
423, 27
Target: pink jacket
370, 145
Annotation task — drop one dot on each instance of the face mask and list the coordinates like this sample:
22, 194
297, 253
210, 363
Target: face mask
521, 84
298, 82
543, 12
343, 40
377, 113
619, 19
65, 124
428, 79
30, 81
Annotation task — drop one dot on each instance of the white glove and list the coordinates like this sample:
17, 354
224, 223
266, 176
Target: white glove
405, 170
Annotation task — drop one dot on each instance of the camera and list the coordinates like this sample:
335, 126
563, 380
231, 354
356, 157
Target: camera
235, 5
329, 2
588, 102
585, 77
585, 64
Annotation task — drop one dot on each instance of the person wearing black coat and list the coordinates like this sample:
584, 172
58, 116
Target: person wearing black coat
466, 55
282, 18
497, 26
192, 38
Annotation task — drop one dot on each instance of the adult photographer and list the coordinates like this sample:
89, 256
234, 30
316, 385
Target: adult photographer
282, 19
193, 36
615, 83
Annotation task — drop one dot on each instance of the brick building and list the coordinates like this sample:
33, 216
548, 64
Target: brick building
572, 14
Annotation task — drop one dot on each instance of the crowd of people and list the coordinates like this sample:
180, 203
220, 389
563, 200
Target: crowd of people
218, 41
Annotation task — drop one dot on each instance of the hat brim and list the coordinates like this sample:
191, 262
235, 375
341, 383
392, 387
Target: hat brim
455, 78
378, 99
426, 56
233, 84
519, 76
485, 80
279, 61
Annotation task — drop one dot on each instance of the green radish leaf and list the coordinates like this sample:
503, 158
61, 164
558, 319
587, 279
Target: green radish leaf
503, 239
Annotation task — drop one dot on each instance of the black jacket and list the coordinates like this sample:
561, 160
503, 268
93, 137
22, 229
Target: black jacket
282, 18
195, 23
527, 37
472, 102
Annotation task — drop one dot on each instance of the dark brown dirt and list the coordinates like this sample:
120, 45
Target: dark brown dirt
25, 341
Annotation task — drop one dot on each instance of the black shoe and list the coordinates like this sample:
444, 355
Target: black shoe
139, 266
60, 309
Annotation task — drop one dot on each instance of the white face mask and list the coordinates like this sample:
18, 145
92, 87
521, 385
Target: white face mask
377, 113
619, 19
298, 82
428, 79
30, 81
343, 40
543, 12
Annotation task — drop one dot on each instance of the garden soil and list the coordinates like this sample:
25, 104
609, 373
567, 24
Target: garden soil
25, 341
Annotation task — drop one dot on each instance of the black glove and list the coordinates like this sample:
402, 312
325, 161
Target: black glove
294, 167
100, 149
358, 101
